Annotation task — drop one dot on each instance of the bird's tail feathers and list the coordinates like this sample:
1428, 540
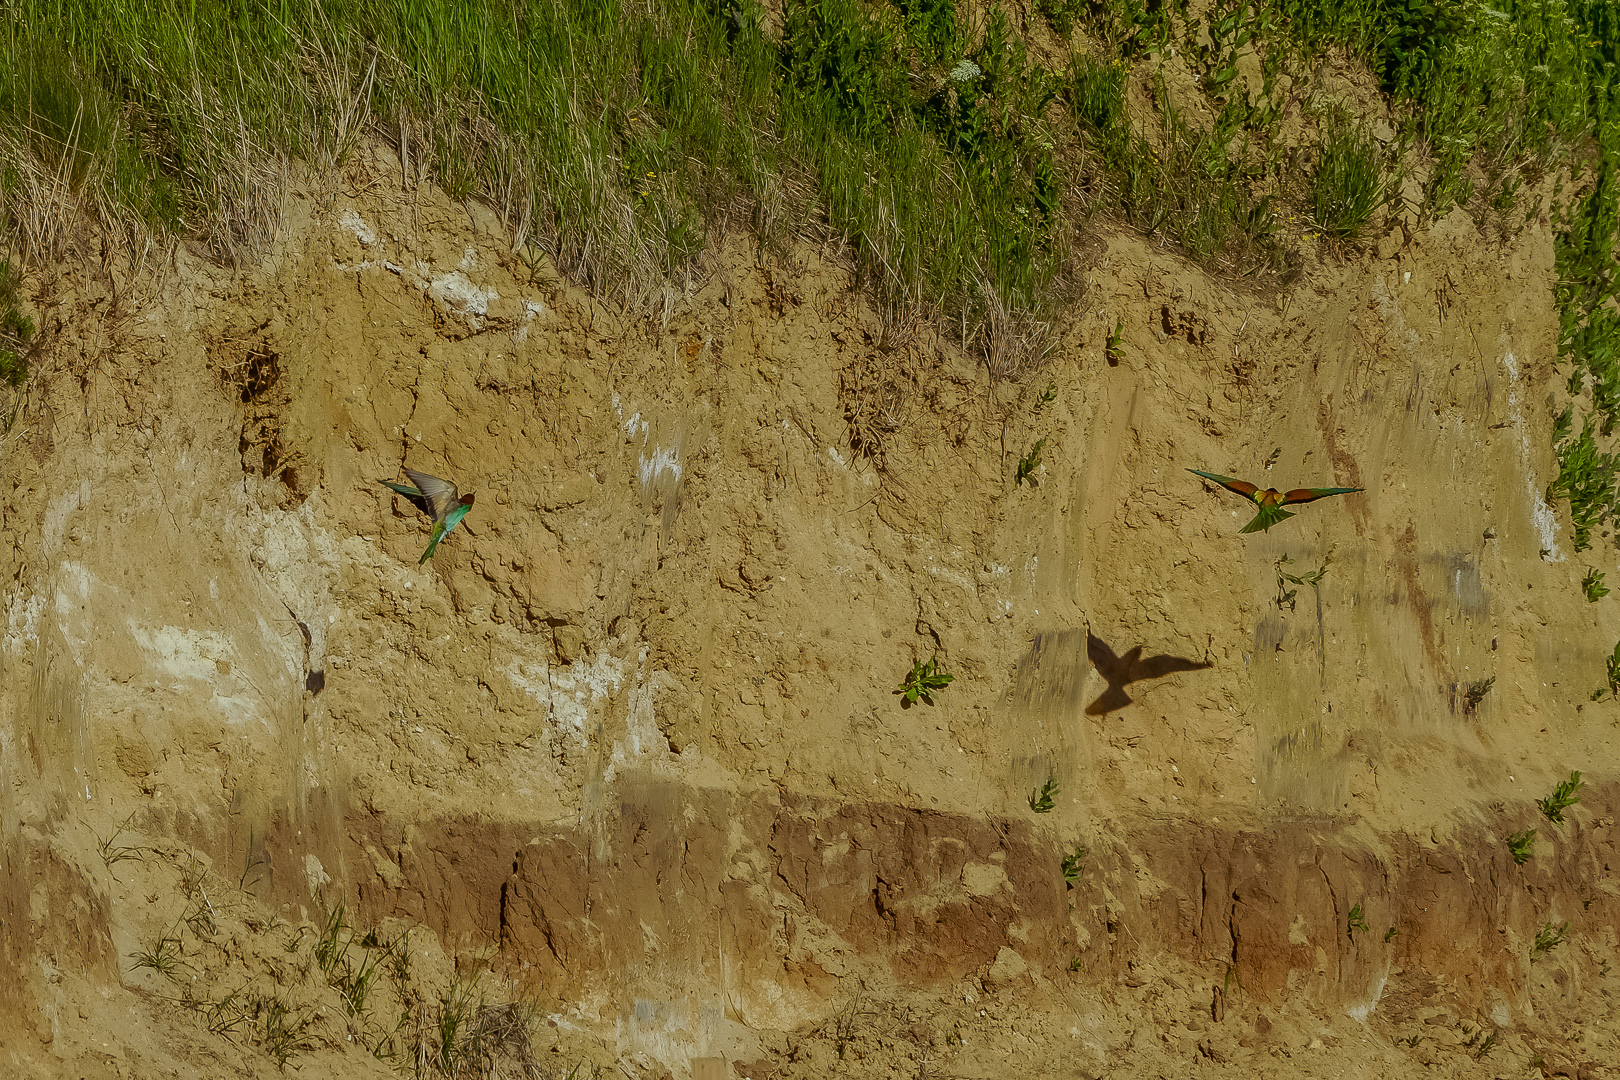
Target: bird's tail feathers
1266, 518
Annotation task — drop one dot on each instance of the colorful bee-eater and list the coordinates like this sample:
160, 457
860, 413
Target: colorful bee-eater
1270, 501
437, 498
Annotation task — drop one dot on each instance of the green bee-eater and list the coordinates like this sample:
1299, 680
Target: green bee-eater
438, 498
1271, 501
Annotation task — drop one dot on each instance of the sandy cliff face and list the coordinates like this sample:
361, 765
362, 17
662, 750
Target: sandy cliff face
630, 738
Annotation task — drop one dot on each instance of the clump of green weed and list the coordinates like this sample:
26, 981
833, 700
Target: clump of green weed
1475, 693
1356, 922
1612, 664
1042, 800
923, 681
164, 956
1565, 795
1521, 845
111, 851
1348, 187
1548, 938
1287, 596
16, 330
283, 1030
1390, 935
1073, 865
1112, 350
1029, 463
1587, 477
1592, 585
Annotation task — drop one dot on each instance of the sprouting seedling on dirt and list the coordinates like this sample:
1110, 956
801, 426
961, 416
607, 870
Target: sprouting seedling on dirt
1390, 935
1048, 396
1565, 795
111, 851
1613, 664
1112, 350
1356, 922
1521, 845
439, 499
1042, 799
1029, 463
1286, 595
1073, 865
1475, 693
922, 682
1271, 501
1592, 585
1548, 938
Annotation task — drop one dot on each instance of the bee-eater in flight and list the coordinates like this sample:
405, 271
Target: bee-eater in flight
1271, 501
438, 498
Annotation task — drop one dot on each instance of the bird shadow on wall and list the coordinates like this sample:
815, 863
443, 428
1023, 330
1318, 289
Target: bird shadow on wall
1120, 671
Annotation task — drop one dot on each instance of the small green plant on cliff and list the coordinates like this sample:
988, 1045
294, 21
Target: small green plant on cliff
1521, 845
283, 1030
1048, 396
1287, 596
1476, 693
1548, 938
1073, 865
351, 974
1112, 351
16, 330
1349, 187
1586, 477
111, 851
1029, 463
1356, 922
1565, 795
1041, 799
1592, 585
923, 682
1390, 935
164, 957
1612, 664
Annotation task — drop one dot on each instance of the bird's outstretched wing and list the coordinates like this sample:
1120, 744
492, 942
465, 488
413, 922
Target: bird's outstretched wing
441, 495
1236, 487
1305, 495
413, 496
1157, 667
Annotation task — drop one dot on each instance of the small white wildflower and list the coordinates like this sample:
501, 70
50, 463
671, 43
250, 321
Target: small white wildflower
964, 70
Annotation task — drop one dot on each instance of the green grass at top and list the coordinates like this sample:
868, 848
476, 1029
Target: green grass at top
622, 135
1499, 84
614, 133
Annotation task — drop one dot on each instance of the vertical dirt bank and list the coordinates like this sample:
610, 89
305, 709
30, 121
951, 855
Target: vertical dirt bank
630, 739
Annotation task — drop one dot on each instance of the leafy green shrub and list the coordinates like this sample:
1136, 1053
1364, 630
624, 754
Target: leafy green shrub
1356, 921
1612, 663
1565, 795
1475, 693
1029, 463
1592, 585
1073, 865
1587, 477
1042, 800
1521, 845
923, 681
1548, 938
